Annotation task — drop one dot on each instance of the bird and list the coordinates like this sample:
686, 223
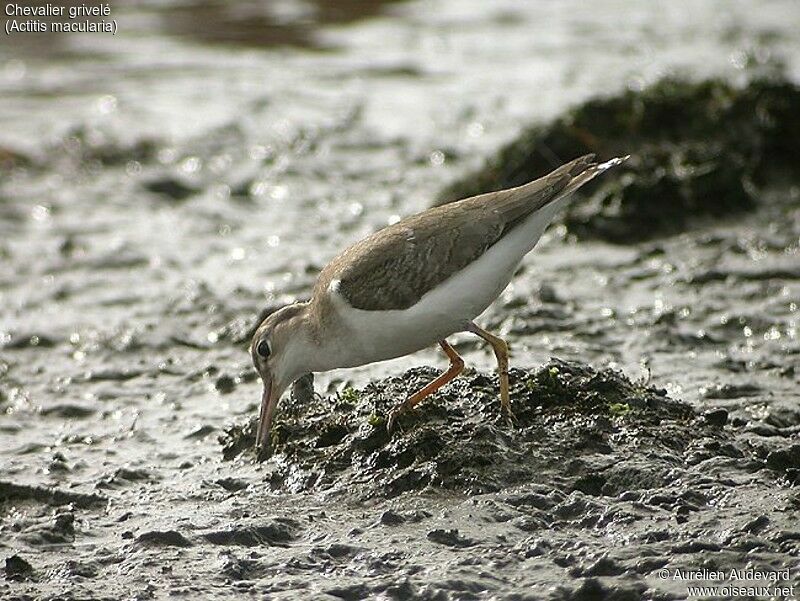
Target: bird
410, 286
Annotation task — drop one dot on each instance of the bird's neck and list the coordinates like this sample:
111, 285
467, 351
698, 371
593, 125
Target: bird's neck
309, 340
326, 343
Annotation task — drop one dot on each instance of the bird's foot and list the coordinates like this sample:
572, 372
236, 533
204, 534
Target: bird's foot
263, 452
394, 414
511, 419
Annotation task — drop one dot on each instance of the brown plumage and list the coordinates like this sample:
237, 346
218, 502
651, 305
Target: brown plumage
382, 271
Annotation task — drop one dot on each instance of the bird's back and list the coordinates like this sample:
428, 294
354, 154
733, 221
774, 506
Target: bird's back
394, 267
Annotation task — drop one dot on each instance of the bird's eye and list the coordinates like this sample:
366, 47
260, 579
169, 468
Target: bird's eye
263, 349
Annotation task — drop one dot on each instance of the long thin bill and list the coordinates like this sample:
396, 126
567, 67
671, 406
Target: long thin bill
265, 417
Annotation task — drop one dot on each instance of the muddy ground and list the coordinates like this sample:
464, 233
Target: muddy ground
654, 359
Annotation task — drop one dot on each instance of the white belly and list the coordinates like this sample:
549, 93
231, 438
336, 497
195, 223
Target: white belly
448, 308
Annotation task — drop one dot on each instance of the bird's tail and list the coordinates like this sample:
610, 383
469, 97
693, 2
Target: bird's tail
516, 204
557, 185
587, 170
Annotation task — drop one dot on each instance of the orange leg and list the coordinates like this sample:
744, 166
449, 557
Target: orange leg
501, 353
456, 367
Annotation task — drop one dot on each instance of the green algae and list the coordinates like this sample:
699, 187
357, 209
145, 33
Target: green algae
619, 409
699, 150
349, 394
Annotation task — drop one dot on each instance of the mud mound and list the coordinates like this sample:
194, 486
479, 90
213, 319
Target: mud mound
698, 150
567, 415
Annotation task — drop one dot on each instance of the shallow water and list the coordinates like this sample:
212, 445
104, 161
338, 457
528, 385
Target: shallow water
160, 187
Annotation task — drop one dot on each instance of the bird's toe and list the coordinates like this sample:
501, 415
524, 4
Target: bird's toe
511, 419
394, 414
391, 422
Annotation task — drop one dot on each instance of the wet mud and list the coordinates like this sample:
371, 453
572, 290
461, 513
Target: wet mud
462, 442
655, 379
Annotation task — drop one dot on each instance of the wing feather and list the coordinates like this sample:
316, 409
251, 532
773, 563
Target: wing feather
396, 266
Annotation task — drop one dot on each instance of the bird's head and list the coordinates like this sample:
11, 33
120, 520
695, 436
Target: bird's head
280, 352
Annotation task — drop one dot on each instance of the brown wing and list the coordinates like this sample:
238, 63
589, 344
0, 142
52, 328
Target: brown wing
395, 267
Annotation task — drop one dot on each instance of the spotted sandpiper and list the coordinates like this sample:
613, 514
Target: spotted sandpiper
410, 286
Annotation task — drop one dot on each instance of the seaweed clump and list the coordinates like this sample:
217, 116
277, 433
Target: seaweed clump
699, 149
459, 440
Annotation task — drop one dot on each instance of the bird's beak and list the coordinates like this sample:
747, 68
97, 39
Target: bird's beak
268, 402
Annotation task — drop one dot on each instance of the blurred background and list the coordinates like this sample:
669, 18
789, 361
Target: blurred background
238, 145
161, 187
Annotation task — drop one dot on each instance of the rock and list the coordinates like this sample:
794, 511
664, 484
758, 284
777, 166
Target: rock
303, 389
590, 484
538, 548
88, 144
171, 187
200, 432
716, 417
354, 592
82, 569
123, 477
591, 589
18, 568
732, 391
756, 525
163, 538
30, 340
225, 384
232, 484
390, 518
64, 523
604, 566
12, 158
695, 546
132, 475
67, 411
450, 538
331, 434
548, 294
280, 532
784, 459
51, 496
237, 439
